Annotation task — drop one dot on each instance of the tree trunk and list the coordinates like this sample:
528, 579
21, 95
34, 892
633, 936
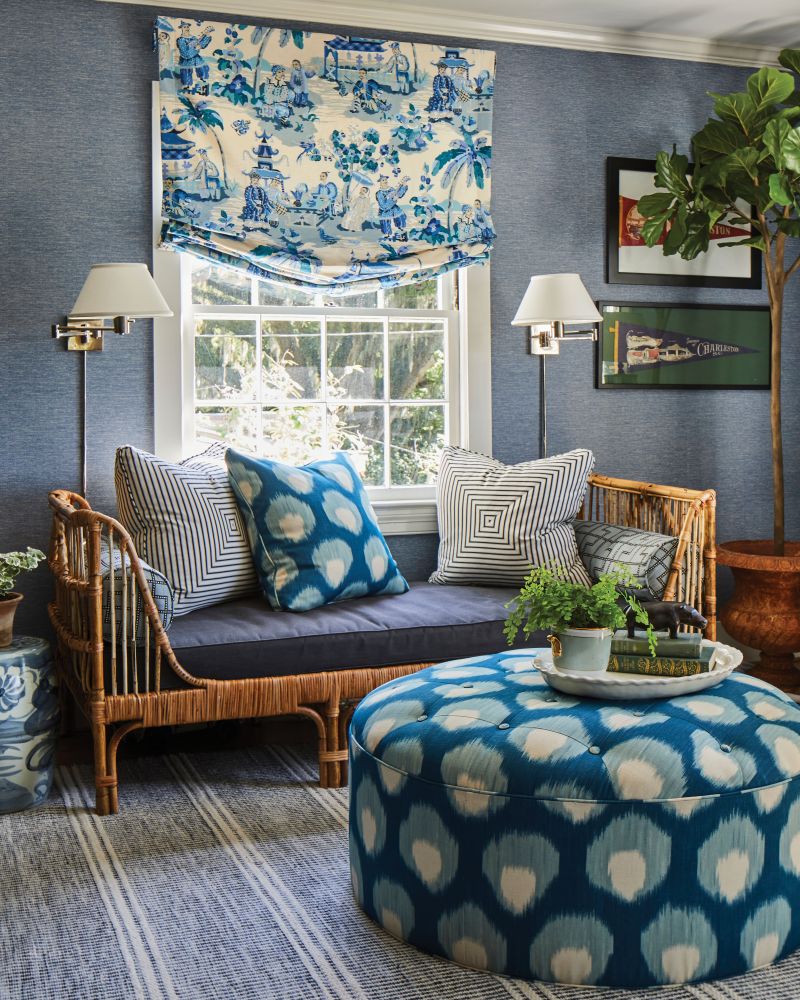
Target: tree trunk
222, 158
257, 70
776, 315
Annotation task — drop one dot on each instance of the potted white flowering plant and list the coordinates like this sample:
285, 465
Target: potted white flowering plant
11, 565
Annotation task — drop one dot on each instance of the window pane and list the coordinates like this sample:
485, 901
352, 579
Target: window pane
236, 425
358, 430
270, 293
416, 438
225, 359
359, 300
422, 295
355, 365
416, 358
292, 355
292, 434
219, 286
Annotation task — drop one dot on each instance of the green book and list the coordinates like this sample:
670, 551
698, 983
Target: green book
663, 666
684, 647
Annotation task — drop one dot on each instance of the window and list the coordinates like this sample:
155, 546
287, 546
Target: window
389, 376
290, 374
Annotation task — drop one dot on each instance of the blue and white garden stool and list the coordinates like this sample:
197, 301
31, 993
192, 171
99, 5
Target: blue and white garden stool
28, 723
626, 844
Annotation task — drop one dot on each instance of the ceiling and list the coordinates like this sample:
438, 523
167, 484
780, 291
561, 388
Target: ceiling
773, 23
735, 32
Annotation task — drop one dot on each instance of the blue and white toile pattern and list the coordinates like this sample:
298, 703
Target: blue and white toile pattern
321, 160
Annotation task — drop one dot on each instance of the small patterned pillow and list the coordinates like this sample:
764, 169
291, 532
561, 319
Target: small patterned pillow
159, 585
313, 531
647, 555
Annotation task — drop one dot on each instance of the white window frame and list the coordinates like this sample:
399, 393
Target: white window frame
400, 510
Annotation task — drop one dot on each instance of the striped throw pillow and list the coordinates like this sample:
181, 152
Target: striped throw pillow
185, 523
496, 521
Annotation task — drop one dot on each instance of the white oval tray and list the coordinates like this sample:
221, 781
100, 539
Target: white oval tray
635, 687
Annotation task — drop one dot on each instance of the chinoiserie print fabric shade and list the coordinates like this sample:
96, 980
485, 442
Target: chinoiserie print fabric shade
324, 161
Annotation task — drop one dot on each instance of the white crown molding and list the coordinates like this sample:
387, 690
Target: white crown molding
388, 15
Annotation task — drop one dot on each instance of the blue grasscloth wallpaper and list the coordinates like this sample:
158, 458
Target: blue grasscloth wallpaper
75, 105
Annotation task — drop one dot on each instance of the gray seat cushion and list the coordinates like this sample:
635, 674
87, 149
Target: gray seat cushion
429, 623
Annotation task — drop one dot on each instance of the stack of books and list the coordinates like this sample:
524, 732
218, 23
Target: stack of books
680, 657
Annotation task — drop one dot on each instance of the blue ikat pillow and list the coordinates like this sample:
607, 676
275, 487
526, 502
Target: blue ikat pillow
313, 532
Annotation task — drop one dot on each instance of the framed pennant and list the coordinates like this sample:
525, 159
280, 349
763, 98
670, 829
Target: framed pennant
667, 346
629, 261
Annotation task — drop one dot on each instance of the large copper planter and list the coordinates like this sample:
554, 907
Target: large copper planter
764, 611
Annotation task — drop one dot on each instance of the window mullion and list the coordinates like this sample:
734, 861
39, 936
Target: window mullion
324, 380
387, 465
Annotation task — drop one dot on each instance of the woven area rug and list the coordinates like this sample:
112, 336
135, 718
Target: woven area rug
226, 876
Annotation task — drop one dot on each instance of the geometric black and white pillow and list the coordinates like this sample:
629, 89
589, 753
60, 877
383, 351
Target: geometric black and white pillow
646, 555
185, 522
496, 521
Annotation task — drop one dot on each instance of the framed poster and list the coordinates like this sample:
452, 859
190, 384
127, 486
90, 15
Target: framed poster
629, 261
667, 346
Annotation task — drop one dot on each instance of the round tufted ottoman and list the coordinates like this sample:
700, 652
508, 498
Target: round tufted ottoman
630, 844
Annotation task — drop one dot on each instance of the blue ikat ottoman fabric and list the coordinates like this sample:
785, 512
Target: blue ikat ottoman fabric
628, 844
312, 530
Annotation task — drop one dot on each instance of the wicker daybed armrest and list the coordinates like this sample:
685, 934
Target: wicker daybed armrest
127, 656
688, 515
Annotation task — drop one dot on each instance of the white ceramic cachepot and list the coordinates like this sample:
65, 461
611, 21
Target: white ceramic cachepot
586, 649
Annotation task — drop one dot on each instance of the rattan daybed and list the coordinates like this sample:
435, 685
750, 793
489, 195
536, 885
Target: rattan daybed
131, 678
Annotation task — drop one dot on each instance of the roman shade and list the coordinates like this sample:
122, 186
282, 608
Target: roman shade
320, 160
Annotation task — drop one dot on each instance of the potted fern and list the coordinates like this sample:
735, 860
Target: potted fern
581, 619
748, 153
11, 565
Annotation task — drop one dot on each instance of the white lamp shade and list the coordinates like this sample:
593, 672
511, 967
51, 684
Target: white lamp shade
554, 298
119, 290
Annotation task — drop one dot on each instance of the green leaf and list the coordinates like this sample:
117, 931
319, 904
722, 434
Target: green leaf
716, 137
655, 204
769, 86
676, 234
697, 235
775, 134
752, 241
671, 170
740, 110
790, 59
789, 226
779, 190
790, 148
745, 159
653, 227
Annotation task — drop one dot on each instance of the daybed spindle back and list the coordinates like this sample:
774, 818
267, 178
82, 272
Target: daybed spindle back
688, 515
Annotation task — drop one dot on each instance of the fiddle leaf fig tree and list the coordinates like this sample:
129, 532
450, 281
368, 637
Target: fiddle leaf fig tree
747, 155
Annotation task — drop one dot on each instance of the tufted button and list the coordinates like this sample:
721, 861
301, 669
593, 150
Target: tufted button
468, 685
725, 747
549, 698
595, 750
503, 725
421, 718
639, 713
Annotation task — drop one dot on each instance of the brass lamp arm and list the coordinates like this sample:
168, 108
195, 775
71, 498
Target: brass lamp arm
75, 327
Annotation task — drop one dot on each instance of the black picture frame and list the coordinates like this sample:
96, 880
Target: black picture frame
615, 276
705, 308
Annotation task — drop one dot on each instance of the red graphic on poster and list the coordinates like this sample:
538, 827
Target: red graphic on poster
631, 222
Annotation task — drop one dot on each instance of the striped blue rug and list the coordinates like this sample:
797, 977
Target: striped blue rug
225, 877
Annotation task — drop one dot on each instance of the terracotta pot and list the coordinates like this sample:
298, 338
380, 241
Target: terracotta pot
8, 608
764, 611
